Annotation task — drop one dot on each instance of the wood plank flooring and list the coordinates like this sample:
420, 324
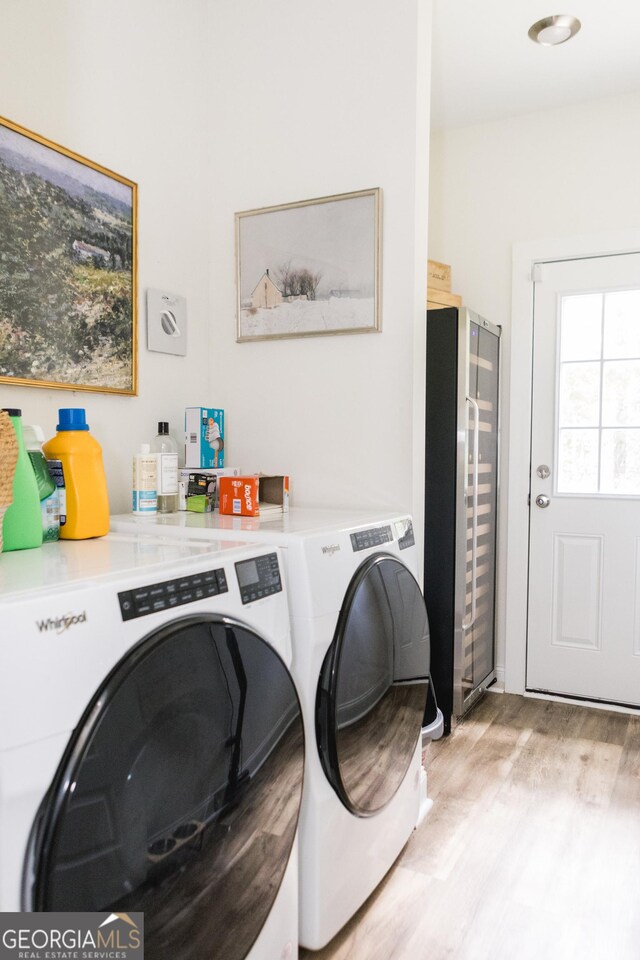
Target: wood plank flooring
531, 850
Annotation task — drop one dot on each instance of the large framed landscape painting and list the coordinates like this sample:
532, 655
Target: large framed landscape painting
68, 285
310, 268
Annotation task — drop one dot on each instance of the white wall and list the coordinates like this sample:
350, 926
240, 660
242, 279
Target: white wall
218, 107
122, 84
320, 100
555, 174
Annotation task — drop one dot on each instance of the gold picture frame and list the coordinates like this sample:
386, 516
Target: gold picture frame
68, 269
310, 268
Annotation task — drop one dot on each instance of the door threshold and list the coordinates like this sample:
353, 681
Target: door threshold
583, 701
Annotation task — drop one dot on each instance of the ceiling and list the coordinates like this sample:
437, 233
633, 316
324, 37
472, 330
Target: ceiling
486, 68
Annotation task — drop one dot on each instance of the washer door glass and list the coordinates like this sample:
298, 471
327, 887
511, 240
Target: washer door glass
179, 792
373, 685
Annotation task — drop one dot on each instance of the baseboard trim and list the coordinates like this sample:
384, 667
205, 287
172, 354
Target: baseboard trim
583, 702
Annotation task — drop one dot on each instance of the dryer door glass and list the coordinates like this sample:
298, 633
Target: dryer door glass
179, 793
373, 686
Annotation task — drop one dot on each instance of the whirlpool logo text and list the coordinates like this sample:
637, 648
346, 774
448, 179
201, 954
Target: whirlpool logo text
59, 625
331, 549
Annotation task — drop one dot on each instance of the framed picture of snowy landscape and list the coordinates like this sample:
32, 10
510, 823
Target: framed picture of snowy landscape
311, 268
68, 298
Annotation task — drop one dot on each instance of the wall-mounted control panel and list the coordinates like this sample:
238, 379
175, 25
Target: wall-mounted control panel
166, 322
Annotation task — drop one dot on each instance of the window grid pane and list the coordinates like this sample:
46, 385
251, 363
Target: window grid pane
621, 393
579, 394
598, 409
622, 325
620, 466
581, 331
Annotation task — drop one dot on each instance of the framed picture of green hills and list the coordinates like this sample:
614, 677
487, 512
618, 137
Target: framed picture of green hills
68, 270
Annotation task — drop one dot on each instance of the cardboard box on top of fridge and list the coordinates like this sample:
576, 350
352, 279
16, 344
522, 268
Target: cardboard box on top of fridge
439, 275
183, 479
439, 299
253, 496
204, 437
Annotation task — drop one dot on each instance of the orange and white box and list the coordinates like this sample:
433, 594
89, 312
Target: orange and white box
239, 496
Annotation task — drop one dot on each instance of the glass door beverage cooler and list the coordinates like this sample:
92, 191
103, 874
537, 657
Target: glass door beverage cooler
461, 484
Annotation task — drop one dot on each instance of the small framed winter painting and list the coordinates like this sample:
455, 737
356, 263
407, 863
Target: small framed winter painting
68, 301
309, 269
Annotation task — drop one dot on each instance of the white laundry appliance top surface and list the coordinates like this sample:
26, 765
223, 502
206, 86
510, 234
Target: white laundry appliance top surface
298, 521
56, 566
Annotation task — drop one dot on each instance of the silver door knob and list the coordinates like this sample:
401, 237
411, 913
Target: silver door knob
542, 501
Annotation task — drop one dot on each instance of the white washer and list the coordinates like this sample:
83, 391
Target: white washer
151, 741
361, 661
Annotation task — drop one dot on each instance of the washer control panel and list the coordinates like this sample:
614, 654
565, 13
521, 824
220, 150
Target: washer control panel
172, 593
405, 534
374, 537
259, 577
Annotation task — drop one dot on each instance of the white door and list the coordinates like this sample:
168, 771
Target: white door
584, 572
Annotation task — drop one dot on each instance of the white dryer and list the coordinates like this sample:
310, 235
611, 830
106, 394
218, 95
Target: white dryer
151, 741
361, 657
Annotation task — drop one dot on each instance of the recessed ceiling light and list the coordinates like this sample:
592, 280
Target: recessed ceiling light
550, 31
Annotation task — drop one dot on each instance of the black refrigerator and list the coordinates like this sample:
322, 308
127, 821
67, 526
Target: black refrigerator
461, 495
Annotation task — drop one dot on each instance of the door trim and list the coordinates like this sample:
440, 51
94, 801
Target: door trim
514, 574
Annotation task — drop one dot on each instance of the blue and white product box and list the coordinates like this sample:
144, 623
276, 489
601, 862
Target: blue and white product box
204, 438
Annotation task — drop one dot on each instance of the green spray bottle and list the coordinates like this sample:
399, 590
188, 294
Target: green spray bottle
22, 524
47, 490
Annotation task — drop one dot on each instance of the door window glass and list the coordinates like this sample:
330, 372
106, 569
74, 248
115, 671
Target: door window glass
599, 393
179, 793
622, 329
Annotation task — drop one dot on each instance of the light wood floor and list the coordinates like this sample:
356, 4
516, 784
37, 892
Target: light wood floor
530, 852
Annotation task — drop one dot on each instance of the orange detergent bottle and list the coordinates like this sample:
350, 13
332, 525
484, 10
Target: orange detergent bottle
87, 511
